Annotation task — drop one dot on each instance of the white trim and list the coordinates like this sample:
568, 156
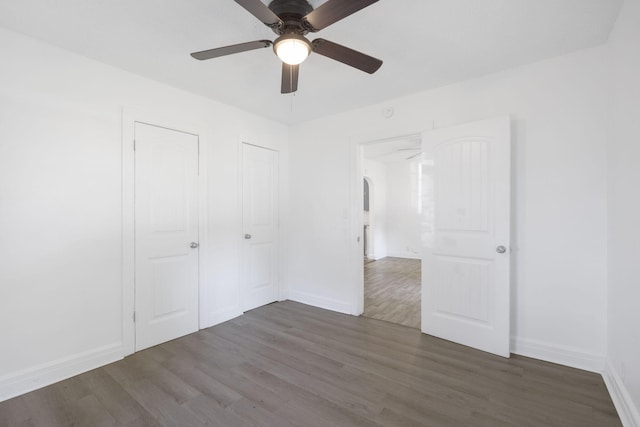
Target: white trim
559, 354
356, 176
240, 225
321, 302
204, 295
627, 410
131, 116
27, 380
128, 233
406, 255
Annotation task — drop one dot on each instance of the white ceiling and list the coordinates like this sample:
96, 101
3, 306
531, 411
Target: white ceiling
424, 44
393, 150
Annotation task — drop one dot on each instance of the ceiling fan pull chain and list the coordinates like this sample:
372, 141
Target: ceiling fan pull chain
292, 95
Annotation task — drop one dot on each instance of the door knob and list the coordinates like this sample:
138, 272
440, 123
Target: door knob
247, 236
193, 245
501, 249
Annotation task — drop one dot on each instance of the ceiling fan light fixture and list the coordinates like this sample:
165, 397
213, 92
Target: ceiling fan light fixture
292, 49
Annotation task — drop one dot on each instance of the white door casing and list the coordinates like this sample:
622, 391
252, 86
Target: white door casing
166, 228
466, 234
260, 223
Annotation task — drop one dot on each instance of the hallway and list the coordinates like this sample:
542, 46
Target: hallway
392, 290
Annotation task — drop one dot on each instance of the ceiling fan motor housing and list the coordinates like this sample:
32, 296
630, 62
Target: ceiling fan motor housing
291, 13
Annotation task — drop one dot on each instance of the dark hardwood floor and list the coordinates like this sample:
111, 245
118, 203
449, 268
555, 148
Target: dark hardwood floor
287, 364
392, 289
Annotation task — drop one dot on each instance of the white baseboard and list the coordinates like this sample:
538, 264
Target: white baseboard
627, 410
561, 355
376, 256
221, 316
30, 379
320, 302
404, 255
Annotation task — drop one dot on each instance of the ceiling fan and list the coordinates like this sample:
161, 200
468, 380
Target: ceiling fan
291, 20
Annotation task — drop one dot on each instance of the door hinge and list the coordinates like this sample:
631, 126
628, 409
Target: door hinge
134, 145
134, 316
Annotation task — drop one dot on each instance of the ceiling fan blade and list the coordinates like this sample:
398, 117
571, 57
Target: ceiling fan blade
332, 11
414, 156
262, 12
229, 50
351, 57
289, 78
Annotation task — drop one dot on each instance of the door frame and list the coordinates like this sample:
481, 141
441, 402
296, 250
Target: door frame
131, 116
281, 290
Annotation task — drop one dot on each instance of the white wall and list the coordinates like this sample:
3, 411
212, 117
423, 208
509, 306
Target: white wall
60, 206
559, 109
377, 174
403, 235
623, 369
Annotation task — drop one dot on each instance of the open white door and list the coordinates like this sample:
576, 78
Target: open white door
166, 234
260, 226
465, 269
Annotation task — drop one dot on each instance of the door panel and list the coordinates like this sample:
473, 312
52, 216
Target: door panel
260, 226
465, 280
166, 223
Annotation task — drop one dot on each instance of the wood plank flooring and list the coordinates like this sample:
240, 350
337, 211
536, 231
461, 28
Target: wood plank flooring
287, 364
392, 291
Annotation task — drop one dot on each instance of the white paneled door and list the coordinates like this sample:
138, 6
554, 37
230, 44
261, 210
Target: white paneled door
166, 234
466, 231
260, 273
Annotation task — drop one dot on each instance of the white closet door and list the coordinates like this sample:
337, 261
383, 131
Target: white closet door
166, 234
260, 273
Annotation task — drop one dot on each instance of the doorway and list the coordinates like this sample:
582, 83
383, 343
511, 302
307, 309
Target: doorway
392, 209
465, 232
